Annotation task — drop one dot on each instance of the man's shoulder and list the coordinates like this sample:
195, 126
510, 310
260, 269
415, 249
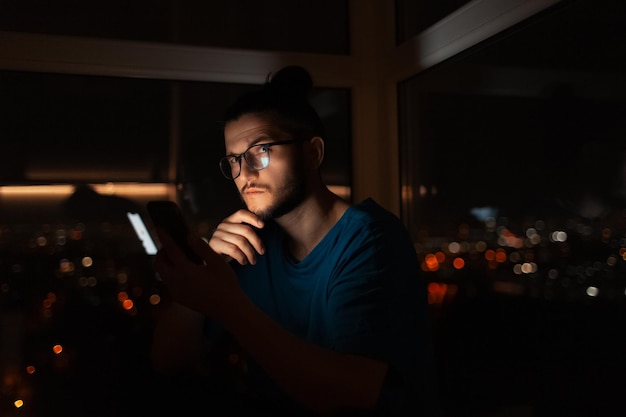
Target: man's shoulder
371, 211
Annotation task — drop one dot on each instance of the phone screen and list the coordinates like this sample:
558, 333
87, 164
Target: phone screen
142, 232
167, 215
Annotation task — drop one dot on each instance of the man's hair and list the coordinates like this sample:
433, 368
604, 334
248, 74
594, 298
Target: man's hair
283, 100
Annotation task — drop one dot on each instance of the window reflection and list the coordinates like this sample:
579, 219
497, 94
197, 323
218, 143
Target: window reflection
513, 188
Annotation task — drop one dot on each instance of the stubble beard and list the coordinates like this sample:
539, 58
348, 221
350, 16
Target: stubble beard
289, 196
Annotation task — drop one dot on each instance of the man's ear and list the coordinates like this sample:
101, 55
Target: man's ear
316, 155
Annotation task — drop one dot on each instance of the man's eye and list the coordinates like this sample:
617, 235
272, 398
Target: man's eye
233, 159
264, 149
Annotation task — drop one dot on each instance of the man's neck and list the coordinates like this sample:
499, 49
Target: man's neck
307, 225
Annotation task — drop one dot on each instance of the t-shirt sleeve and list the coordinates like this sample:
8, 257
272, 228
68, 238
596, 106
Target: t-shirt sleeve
378, 306
377, 300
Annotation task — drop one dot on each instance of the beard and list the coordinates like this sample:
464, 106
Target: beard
288, 196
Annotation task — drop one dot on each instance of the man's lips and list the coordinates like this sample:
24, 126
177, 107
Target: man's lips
252, 190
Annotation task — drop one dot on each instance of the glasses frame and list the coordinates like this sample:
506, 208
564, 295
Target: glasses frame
242, 155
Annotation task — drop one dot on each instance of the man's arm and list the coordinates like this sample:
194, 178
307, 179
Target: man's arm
323, 380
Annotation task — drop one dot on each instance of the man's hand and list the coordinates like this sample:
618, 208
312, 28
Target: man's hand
211, 288
236, 238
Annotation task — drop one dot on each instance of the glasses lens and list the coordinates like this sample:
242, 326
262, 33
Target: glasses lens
258, 157
230, 167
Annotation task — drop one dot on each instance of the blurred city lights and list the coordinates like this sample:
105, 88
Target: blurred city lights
87, 261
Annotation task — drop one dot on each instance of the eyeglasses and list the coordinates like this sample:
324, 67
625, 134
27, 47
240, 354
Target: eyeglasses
257, 157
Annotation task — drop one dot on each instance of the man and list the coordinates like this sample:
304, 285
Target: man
324, 298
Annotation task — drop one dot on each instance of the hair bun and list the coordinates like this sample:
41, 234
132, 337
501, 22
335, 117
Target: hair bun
292, 82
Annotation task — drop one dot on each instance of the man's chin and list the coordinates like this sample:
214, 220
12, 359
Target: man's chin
258, 208
264, 213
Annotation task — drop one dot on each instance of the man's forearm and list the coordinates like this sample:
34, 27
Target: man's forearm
324, 380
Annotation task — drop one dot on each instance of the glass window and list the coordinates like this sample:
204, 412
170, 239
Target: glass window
66, 128
77, 290
519, 123
513, 165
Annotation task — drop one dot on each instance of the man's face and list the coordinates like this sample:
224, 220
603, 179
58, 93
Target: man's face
277, 189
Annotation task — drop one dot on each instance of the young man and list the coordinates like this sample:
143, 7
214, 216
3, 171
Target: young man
323, 297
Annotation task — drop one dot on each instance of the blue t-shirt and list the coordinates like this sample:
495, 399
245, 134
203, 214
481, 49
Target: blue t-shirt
359, 291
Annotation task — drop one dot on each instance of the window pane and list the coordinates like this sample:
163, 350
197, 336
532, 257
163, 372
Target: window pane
513, 166
60, 128
77, 290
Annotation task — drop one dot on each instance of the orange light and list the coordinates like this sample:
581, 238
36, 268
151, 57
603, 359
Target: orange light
127, 304
431, 261
436, 292
57, 349
76, 234
458, 263
121, 189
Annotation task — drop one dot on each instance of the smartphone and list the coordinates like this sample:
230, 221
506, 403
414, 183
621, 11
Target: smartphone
167, 215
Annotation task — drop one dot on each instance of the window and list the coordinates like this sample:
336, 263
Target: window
77, 288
